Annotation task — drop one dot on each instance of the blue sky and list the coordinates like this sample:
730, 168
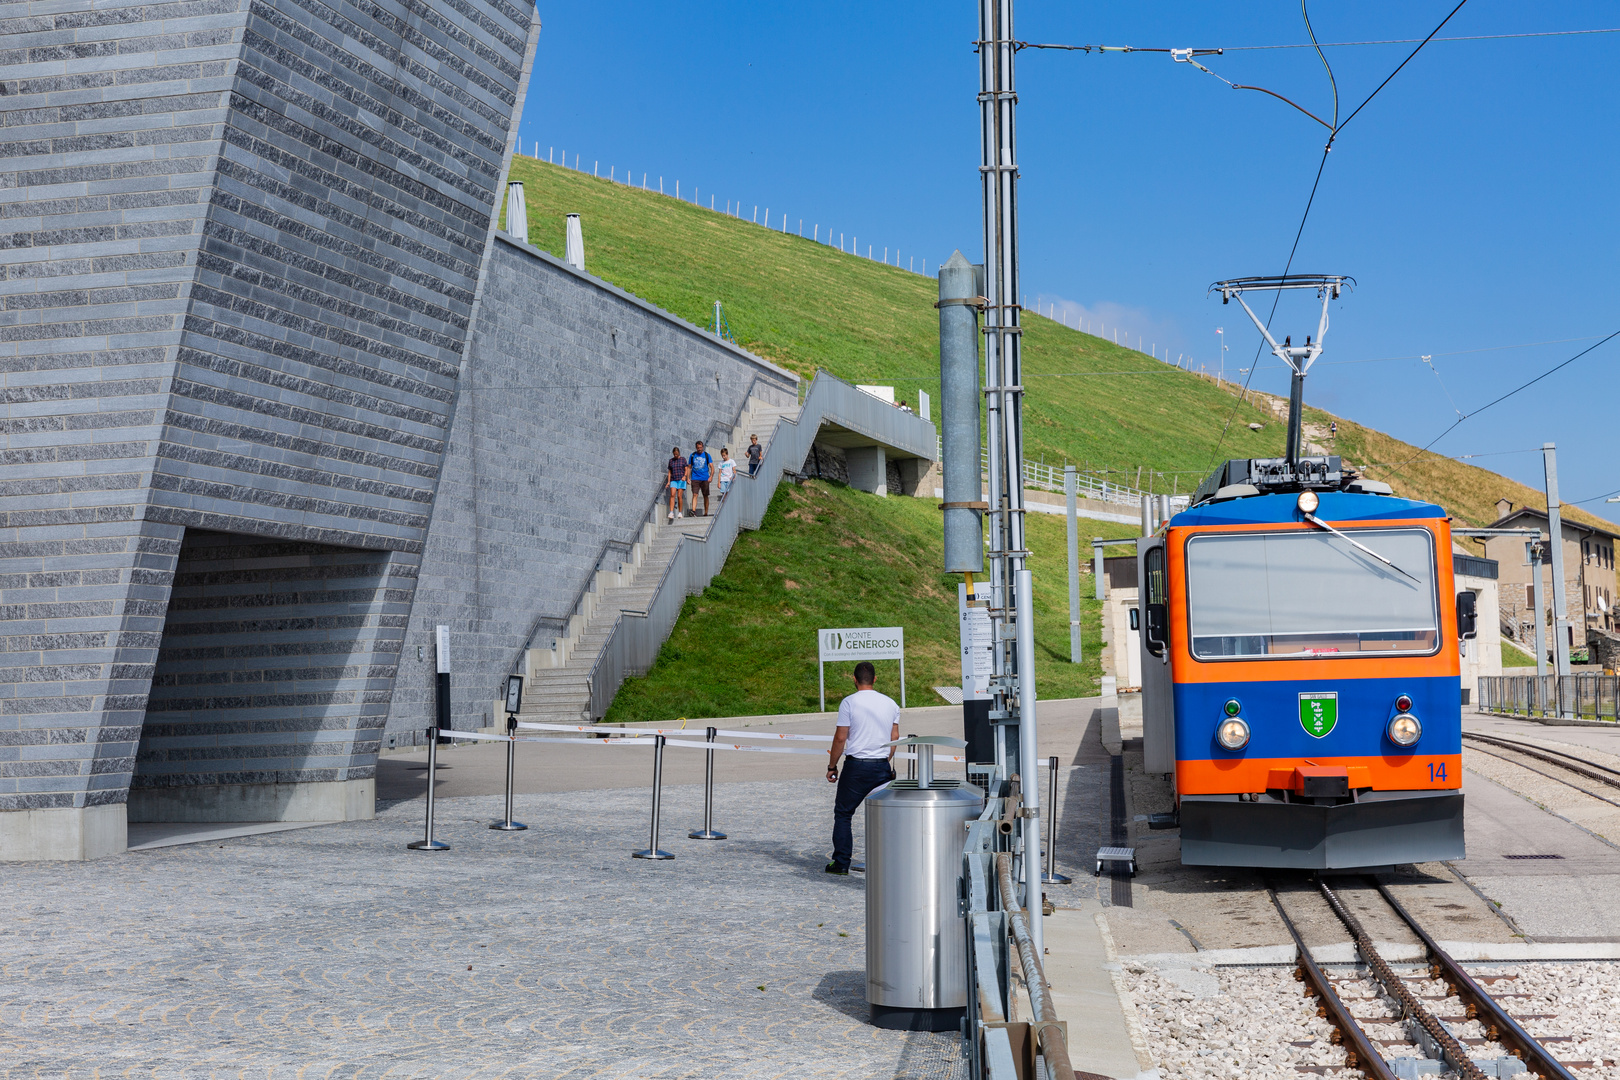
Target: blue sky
1472, 199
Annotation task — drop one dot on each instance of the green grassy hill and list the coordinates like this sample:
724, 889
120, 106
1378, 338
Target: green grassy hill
747, 645
806, 305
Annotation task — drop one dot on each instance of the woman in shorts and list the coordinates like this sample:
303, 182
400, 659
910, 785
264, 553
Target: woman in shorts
677, 483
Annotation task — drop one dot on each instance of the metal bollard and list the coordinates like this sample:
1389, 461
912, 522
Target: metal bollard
652, 851
427, 843
911, 766
1052, 877
511, 770
707, 832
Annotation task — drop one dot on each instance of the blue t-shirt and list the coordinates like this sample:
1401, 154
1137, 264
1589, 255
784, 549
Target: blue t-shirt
700, 464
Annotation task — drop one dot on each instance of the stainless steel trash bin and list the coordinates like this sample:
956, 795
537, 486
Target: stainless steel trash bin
916, 942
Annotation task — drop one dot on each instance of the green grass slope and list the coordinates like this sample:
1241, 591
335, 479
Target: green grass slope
806, 305
827, 555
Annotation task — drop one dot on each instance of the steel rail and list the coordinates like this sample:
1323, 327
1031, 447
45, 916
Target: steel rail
1395, 986
1554, 757
1048, 1034
1360, 1053
1589, 793
1498, 1024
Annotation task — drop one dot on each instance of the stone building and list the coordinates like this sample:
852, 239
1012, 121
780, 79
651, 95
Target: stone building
244, 244
1589, 575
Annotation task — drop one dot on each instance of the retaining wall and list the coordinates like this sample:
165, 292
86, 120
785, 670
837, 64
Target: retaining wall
574, 393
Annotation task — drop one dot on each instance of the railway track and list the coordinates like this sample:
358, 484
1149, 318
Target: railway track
1426, 1018
1569, 763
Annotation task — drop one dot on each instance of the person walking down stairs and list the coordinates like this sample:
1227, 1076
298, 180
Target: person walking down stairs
677, 483
700, 462
728, 471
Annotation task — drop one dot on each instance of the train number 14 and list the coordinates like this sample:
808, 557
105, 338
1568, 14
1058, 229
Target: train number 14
1437, 771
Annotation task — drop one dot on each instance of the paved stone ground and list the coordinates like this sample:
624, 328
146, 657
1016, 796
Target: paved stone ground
335, 952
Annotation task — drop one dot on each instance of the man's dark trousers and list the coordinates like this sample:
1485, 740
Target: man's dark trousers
857, 780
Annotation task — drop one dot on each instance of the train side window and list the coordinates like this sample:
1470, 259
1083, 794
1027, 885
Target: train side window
1156, 633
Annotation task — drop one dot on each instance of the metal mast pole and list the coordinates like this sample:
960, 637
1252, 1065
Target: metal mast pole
1555, 541
1009, 579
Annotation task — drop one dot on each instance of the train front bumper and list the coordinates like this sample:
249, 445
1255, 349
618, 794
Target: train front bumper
1381, 828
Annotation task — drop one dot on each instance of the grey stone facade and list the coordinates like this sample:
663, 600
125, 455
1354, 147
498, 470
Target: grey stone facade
242, 244
575, 393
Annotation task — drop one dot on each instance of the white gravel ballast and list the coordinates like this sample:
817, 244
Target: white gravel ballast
1205, 1022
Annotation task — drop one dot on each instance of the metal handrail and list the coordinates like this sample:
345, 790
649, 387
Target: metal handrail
1038, 474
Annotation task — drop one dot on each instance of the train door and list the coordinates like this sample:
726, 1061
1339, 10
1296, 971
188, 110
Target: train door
1158, 702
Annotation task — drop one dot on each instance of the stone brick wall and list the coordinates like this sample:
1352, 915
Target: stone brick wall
243, 239
574, 393
275, 653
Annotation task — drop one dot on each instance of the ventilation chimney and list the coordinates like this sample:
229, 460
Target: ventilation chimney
517, 214
1503, 508
575, 256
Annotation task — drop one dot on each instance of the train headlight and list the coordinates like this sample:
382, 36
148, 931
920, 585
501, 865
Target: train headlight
1405, 730
1233, 733
1308, 502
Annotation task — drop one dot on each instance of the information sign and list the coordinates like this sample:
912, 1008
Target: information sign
861, 643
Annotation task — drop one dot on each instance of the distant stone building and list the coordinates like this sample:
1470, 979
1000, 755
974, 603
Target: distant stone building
1589, 575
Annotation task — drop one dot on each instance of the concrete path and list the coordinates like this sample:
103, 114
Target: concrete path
333, 951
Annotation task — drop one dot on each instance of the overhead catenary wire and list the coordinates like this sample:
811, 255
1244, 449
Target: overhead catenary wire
1498, 400
1337, 127
1312, 44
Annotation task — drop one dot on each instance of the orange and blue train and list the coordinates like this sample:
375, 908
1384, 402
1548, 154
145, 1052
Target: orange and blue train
1300, 636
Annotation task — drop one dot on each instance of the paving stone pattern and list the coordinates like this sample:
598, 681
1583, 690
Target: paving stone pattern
335, 952
574, 394
241, 249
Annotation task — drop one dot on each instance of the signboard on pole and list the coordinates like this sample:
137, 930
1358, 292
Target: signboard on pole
861, 643
974, 623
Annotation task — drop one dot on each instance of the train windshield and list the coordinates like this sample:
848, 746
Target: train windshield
1309, 594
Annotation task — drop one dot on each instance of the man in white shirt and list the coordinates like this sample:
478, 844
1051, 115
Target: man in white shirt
867, 723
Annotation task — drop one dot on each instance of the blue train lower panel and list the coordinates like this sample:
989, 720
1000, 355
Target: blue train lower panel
1382, 828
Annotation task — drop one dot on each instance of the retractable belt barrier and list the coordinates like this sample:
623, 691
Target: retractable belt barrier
657, 738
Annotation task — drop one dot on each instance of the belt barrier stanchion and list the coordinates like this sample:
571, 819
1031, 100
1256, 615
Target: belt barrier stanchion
911, 763
707, 832
514, 703
1052, 877
427, 843
652, 851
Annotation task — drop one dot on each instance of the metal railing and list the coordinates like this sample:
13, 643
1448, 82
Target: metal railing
1001, 956
635, 639
1038, 474
1584, 697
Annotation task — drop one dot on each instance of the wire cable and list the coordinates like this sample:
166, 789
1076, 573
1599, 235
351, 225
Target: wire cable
1337, 127
1255, 363
1397, 70
1313, 44
1497, 401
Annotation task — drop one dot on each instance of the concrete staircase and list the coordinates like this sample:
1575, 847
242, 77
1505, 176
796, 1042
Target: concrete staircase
557, 686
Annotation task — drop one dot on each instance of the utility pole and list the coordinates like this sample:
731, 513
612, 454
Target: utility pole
1073, 520
1013, 684
1555, 540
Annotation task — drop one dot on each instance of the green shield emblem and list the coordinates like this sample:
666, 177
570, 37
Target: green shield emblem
1318, 713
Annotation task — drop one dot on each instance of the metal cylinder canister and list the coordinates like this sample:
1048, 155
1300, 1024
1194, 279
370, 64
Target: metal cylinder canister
916, 944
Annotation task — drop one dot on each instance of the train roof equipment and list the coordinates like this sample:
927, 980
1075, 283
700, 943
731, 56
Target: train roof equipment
1293, 472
